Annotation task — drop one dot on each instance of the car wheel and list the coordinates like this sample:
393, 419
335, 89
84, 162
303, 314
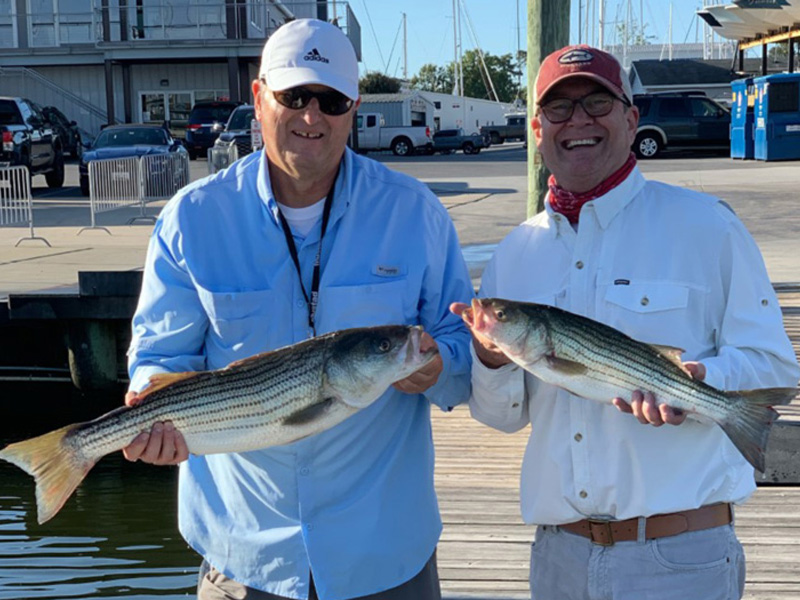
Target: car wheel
468, 148
402, 147
496, 139
647, 145
55, 178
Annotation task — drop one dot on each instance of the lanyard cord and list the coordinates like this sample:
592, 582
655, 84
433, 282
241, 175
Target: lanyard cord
313, 301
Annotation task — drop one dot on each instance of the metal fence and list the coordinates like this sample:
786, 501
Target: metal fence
16, 203
122, 182
221, 158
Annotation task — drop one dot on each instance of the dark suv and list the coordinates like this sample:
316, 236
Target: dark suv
680, 121
237, 131
206, 122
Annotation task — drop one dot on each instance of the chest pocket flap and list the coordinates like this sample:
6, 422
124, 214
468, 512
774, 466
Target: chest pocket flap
649, 297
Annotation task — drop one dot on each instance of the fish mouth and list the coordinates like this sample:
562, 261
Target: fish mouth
414, 352
477, 317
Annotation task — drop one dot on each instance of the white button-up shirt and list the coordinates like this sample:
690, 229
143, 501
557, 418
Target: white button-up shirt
665, 265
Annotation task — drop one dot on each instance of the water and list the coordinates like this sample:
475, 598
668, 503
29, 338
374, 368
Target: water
116, 537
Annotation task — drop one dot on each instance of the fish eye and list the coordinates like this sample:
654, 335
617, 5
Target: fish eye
500, 314
385, 345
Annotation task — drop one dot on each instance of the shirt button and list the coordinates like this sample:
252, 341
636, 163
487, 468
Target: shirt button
582, 494
645, 301
579, 264
300, 303
764, 302
578, 437
305, 471
309, 527
515, 405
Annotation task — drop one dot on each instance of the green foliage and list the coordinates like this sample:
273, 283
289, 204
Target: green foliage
434, 79
375, 82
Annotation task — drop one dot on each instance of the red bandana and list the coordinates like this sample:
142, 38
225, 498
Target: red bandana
569, 204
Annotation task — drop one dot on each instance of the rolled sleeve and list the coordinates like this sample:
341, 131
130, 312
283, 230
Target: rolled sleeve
498, 396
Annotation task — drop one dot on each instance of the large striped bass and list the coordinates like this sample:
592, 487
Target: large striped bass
595, 361
266, 400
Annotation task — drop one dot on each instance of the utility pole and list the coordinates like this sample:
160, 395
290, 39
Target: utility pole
548, 30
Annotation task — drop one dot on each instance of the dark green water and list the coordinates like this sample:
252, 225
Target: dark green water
117, 536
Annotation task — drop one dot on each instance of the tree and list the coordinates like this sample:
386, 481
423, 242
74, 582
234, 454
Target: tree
504, 71
434, 79
375, 82
635, 36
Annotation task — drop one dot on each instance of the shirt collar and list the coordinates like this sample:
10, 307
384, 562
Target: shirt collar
341, 193
605, 207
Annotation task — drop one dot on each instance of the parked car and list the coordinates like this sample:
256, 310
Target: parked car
374, 134
680, 121
68, 131
237, 130
515, 128
447, 141
122, 141
28, 139
206, 122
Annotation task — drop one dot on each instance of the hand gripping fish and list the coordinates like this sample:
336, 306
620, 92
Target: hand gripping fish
266, 400
595, 361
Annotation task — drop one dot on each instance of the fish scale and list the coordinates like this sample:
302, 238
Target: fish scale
596, 361
270, 399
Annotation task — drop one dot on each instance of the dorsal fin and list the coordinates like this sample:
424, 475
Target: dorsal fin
161, 380
673, 355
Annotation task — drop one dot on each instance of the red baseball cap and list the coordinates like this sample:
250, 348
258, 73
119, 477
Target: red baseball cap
582, 61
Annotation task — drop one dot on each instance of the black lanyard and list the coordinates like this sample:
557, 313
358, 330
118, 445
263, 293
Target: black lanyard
312, 302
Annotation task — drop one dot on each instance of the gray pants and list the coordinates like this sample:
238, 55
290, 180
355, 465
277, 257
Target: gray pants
706, 564
213, 585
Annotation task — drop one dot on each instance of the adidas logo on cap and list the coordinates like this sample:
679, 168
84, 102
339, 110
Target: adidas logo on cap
315, 55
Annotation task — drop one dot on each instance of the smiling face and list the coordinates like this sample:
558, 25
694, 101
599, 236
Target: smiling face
304, 146
583, 151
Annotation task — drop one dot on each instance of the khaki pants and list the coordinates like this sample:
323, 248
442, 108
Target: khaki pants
213, 585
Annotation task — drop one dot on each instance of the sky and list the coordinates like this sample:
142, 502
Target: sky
429, 26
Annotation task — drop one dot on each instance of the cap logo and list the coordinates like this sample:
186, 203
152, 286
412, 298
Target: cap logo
316, 56
576, 56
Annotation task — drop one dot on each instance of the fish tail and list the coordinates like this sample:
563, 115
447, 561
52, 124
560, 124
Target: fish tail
56, 466
751, 419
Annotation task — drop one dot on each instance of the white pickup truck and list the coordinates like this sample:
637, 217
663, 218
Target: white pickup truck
373, 134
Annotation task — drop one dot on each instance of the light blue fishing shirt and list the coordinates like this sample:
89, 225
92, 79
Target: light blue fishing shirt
354, 504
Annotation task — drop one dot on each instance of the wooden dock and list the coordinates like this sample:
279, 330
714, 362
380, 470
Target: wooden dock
485, 547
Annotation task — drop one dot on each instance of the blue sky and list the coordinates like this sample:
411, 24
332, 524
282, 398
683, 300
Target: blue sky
430, 27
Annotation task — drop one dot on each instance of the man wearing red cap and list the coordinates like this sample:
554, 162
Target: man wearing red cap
625, 511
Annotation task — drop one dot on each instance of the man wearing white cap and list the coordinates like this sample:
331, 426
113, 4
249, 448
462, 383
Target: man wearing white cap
625, 511
301, 239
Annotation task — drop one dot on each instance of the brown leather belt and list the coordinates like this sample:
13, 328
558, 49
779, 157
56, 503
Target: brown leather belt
607, 533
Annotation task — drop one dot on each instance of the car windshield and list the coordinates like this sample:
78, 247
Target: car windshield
240, 119
9, 115
209, 114
131, 137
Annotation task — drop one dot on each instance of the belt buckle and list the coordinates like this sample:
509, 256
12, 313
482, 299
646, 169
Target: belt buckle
605, 528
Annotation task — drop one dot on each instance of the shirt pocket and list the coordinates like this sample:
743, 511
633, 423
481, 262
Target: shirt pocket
385, 303
652, 312
238, 321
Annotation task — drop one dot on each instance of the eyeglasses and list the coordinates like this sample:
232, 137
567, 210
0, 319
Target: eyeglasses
596, 104
331, 102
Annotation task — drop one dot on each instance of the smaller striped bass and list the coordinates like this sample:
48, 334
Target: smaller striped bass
266, 400
595, 361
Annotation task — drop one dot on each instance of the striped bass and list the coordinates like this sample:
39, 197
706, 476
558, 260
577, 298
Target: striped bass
266, 400
595, 361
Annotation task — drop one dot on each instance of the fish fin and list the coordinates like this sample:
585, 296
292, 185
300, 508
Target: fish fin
56, 466
673, 355
161, 380
567, 367
751, 418
309, 413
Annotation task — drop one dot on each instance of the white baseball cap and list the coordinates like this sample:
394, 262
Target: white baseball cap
307, 51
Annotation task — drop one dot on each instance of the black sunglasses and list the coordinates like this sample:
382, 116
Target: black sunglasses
596, 104
330, 102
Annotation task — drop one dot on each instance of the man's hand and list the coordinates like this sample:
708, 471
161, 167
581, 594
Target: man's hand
421, 380
489, 354
643, 404
163, 445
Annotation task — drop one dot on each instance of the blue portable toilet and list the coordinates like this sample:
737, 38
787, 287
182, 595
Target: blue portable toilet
742, 119
777, 117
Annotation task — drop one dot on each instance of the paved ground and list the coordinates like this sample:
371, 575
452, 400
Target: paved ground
485, 195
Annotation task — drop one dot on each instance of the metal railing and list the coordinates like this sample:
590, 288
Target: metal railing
169, 20
124, 182
221, 158
16, 203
